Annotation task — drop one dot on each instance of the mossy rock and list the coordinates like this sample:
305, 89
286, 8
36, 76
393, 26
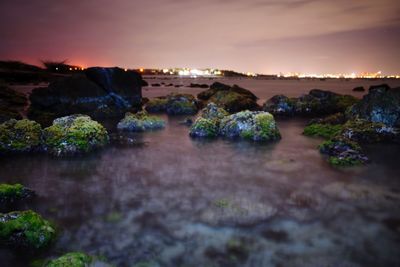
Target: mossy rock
251, 125
322, 130
14, 192
280, 105
72, 259
204, 128
368, 132
140, 122
74, 134
343, 152
19, 136
158, 104
25, 230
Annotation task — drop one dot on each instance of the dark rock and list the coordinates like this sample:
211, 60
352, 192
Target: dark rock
381, 104
11, 193
231, 98
280, 105
11, 103
99, 92
155, 84
196, 85
359, 89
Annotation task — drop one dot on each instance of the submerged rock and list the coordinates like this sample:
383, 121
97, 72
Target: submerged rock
140, 122
322, 130
74, 134
19, 136
98, 92
25, 230
173, 104
207, 124
251, 125
363, 131
76, 259
231, 98
11, 103
381, 104
10, 193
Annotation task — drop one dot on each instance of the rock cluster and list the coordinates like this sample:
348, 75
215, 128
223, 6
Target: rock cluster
98, 92
316, 103
11, 103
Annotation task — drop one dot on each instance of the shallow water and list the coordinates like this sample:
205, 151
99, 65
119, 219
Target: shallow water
169, 200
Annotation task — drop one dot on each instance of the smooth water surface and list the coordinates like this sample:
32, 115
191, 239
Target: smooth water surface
169, 200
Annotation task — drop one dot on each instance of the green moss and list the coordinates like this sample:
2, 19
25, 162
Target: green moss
19, 135
72, 259
222, 203
322, 130
180, 107
345, 101
11, 190
266, 127
343, 161
204, 128
156, 105
140, 122
36, 232
76, 133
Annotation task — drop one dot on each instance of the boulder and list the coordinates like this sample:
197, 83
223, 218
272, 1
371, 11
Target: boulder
280, 105
10, 193
19, 136
140, 122
381, 104
25, 230
11, 104
74, 134
207, 123
231, 98
173, 104
251, 125
98, 92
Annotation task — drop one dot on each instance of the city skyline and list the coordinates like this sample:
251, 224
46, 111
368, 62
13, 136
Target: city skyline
258, 36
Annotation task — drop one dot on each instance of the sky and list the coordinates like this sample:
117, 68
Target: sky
262, 36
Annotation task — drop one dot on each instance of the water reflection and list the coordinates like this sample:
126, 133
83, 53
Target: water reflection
177, 201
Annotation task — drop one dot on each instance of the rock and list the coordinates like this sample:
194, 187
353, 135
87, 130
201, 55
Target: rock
359, 89
11, 103
19, 136
362, 131
316, 103
196, 85
173, 104
73, 135
334, 119
207, 124
256, 126
381, 104
319, 102
231, 98
25, 230
155, 84
204, 128
343, 152
280, 105
10, 193
76, 259
140, 122
98, 92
